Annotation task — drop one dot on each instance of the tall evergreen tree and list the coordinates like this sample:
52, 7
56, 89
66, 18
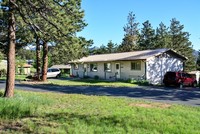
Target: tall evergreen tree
9, 92
162, 36
59, 19
23, 34
131, 36
147, 36
111, 47
64, 52
102, 50
26, 54
179, 41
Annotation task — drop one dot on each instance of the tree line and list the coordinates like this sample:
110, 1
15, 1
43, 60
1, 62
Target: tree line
135, 38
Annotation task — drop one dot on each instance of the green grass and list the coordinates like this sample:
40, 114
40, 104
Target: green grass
72, 113
90, 82
20, 106
17, 77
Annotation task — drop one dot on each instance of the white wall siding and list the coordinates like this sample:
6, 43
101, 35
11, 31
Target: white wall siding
127, 73
158, 66
99, 72
77, 72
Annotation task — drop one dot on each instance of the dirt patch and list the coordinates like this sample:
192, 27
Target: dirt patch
12, 126
152, 105
34, 82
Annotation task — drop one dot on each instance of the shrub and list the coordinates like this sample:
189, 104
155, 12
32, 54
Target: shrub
139, 82
132, 81
96, 77
21, 70
1, 94
86, 77
2, 72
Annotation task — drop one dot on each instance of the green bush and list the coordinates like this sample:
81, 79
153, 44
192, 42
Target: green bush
1, 94
86, 77
138, 82
96, 77
2, 72
21, 70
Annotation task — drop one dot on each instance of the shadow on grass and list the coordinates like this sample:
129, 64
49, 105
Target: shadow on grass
73, 122
90, 82
152, 93
91, 120
95, 81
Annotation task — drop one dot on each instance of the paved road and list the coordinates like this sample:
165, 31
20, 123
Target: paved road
186, 96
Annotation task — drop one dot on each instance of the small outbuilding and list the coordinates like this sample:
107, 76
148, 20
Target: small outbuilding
3, 64
149, 64
25, 69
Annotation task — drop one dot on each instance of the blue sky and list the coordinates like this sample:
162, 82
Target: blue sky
106, 18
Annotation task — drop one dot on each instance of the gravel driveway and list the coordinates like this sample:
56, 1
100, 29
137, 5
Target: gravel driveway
186, 96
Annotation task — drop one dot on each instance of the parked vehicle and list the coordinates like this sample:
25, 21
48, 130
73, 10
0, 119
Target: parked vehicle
177, 78
53, 73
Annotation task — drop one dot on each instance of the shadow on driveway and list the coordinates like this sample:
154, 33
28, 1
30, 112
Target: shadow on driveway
187, 95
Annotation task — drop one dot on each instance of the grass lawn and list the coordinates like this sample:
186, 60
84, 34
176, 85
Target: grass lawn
17, 77
90, 82
34, 112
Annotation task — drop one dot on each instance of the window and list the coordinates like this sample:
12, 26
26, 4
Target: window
107, 67
76, 66
117, 66
93, 67
136, 65
55, 70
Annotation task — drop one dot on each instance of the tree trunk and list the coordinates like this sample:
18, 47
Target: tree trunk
45, 61
10, 81
38, 61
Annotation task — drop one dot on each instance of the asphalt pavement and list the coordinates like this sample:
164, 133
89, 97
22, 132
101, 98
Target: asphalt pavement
185, 96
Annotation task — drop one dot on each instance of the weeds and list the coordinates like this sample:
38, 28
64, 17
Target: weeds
21, 105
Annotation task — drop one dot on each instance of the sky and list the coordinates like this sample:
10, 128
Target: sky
106, 18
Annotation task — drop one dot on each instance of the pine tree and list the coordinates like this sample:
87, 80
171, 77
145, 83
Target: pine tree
179, 41
9, 92
51, 21
64, 52
131, 36
147, 37
111, 47
162, 36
